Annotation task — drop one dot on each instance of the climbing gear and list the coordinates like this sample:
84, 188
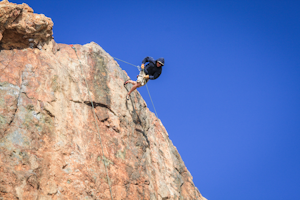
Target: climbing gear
127, 97
127, 63
95, 119
141, 78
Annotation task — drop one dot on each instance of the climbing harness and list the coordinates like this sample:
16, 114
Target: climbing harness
146, 83
108, 179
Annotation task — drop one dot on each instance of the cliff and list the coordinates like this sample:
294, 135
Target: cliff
54, 145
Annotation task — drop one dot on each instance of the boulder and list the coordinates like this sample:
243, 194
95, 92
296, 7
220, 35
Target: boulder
21, 28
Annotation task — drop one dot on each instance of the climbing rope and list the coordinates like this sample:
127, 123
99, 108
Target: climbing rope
127, 63
108, 179
151, 101
146, 83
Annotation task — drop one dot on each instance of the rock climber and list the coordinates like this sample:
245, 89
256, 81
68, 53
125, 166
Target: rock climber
151, 71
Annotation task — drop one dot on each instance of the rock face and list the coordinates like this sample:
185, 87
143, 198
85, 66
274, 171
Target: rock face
52, 146
21, 28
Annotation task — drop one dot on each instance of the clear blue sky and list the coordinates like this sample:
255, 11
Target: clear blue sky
229, 94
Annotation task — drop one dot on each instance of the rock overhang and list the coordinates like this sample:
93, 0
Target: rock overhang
21, 28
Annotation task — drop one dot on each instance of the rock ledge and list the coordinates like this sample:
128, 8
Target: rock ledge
20, 28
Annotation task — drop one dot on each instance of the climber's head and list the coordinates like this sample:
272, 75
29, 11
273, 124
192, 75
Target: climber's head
160, 62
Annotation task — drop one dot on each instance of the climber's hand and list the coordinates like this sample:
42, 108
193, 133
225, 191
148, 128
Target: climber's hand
143, 66
146, 76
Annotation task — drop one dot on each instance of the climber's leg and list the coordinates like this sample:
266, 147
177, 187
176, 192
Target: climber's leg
130, 81
141, 81
135, 85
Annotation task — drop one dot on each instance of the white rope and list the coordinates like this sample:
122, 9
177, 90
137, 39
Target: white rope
128, 63
151, 101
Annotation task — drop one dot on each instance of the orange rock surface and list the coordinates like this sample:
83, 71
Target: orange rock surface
21, 28
50, 146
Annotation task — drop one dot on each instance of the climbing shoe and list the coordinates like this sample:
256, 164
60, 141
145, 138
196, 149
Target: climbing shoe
126, 82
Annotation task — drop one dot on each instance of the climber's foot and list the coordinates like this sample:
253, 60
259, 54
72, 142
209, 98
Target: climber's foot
126, 82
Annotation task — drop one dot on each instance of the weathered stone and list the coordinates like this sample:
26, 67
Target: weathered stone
51, 144
21, 28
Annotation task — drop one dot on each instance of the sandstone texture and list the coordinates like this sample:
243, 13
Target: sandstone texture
21, 28
50, 142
